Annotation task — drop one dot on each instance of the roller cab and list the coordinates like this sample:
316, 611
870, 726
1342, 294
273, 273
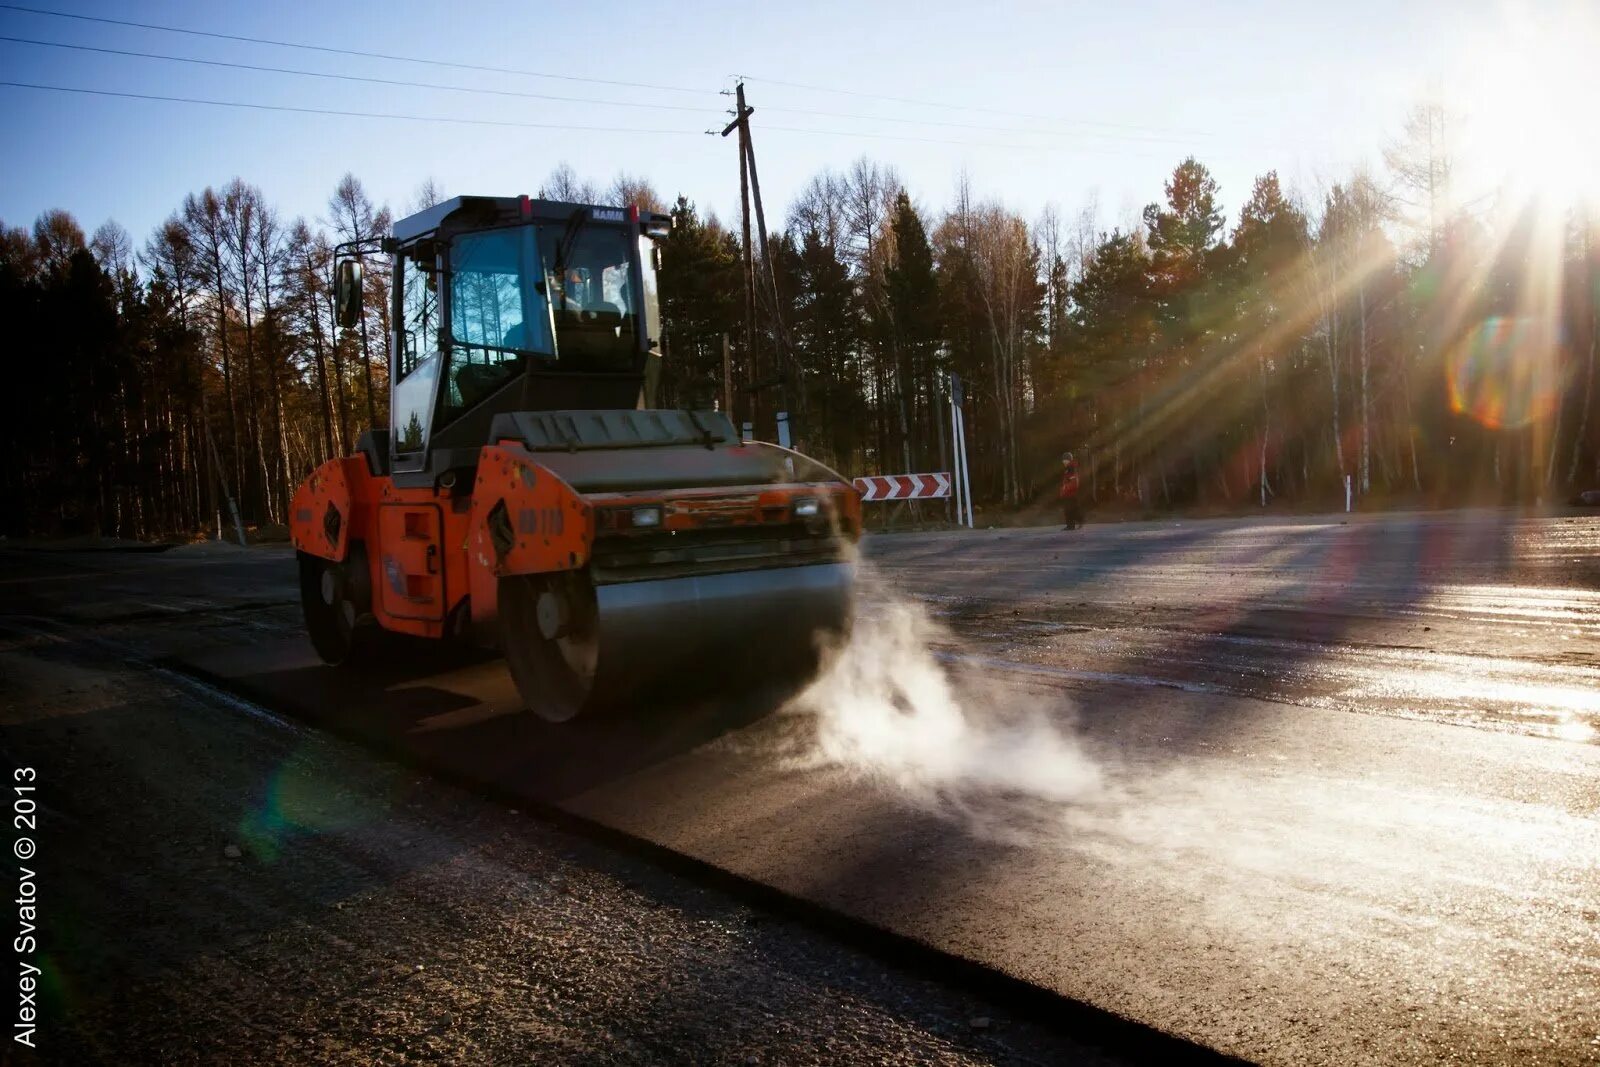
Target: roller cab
528, 494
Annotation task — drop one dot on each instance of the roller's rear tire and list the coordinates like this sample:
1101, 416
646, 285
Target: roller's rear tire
336, 600
555, 675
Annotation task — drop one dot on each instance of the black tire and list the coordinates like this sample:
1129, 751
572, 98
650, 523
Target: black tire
336, 600
555, 676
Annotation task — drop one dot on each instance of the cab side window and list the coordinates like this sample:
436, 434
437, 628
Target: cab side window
419, 308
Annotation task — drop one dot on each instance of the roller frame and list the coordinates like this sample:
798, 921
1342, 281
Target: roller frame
554, 527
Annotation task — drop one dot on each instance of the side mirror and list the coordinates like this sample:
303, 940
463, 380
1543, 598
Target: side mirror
347, 292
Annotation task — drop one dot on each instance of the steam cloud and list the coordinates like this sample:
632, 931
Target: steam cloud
887, 709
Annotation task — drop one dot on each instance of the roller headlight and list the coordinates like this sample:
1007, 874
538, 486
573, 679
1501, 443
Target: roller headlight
647, 516
808, 508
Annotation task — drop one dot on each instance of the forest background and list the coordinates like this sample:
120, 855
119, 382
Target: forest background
1376, 329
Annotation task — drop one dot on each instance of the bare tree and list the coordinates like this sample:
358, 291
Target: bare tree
426, 195
311, 259
1352, 224
56, 237
207, 232
1008, 266
1083, 237
628, 190
821, 208
1320, 290
869, 195
1423, 165
241, 209
270, 262
172, 261
1048, 236
356, 219
563, 184
112, 248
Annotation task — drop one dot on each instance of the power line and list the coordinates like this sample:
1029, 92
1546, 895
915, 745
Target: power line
974, 126
520, 125
541, 74
1115, 130
349, 51
1128, 130
1100, 150
350, 77
1006, 113
406, 83
332, 111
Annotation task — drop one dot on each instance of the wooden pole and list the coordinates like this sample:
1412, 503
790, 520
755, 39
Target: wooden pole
748, 266
783, 356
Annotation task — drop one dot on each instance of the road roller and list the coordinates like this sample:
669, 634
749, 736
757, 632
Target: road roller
528, 494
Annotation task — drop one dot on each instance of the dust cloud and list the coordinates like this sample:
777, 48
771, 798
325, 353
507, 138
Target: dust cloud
890, 709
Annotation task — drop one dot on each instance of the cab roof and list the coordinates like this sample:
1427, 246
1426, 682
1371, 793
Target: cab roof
472, 212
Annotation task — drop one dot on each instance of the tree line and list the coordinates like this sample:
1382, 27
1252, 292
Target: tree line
153, 385
1376, 333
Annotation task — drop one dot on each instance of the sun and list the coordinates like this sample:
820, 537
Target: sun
1526, 93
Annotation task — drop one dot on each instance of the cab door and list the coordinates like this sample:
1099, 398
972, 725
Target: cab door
411, 561
414, 377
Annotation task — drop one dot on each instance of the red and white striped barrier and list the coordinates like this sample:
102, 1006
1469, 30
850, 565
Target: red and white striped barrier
904, 487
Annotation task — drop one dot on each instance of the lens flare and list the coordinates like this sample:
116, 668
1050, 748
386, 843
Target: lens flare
307, 795
1506, 372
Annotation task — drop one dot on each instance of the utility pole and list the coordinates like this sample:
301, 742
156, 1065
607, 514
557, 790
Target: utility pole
741, 123
750, 187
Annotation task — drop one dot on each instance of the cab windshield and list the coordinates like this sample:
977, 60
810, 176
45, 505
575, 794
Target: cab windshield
555, 296
588, 270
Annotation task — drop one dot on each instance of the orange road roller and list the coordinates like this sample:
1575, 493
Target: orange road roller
529, 495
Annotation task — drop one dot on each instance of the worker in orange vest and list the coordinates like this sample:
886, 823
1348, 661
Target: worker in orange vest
1071, 510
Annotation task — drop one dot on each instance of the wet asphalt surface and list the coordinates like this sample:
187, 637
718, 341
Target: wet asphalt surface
1307, 790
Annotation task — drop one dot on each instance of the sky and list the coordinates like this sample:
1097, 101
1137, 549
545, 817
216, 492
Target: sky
1062, 103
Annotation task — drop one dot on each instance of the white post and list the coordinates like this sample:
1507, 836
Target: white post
955, 456
783, 428
749, 433
966, 479
1347, 494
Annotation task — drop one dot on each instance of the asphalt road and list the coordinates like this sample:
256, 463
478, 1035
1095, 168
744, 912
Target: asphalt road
216, 883
1299, 791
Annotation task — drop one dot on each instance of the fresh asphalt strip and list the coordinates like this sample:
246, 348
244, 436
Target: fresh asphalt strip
470, 732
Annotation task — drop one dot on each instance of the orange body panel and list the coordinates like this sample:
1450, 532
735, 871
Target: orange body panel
411, 544
524, 520
414, 540
327, 492
431, 550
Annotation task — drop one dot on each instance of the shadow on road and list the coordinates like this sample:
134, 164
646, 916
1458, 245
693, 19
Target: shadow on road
458, 711
1332, 578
